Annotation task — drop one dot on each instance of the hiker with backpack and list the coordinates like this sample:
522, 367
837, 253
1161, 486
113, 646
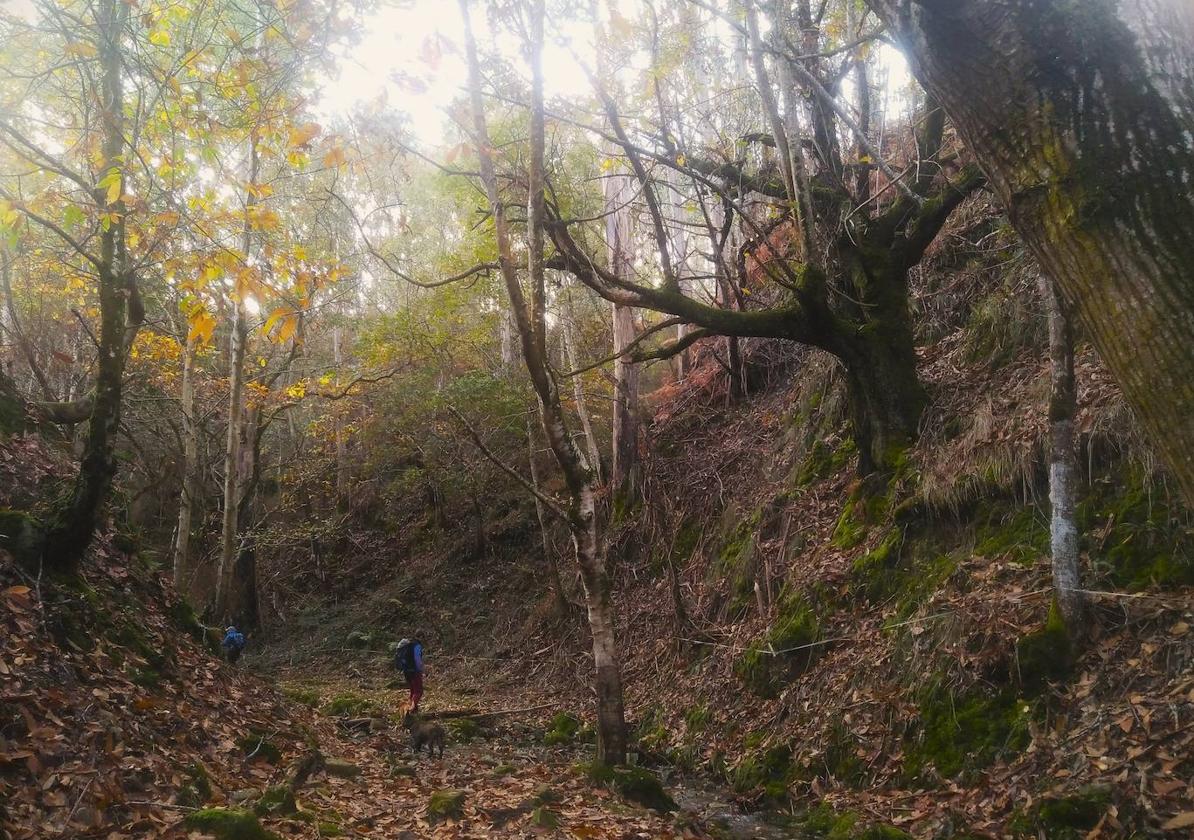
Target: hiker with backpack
408, 659
233, 644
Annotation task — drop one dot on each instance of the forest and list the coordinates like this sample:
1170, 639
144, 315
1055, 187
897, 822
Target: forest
741, 418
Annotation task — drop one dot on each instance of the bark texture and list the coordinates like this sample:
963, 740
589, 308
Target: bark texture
1081, 114
1063, 465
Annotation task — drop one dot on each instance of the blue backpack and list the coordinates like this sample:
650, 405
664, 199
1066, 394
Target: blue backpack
404, 656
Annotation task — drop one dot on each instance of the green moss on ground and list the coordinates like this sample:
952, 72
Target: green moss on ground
197, 789
348, 705
961, 734
697, 718
465, 730
735, 559
792, 637
1019, 534
767, 774
824, 461
276, 801
1065, 817
566, 728
445, 805
823, 823
228, 824
301, 694
1044, 656
1134, 533
634, 784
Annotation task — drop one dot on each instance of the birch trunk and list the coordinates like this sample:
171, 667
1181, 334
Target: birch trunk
530, 318
1063, 465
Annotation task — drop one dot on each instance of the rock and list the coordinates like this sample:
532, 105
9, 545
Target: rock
243, 795
228, 824
445, 804
341, 769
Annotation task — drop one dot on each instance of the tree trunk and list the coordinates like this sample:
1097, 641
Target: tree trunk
1080, 115
619, 249
1063, 465
73, 526
236, 392
342, 477
560, 600
578, 393
191, 480
532, 330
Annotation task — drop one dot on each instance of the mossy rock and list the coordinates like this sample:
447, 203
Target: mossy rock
735, 559
445, 804
276, 801
792, 637
21, 534
341, 769
258, 745
824, 822
146, 678
329, 829
1063, 817
465, 730
961, 734
634, 784
502, 770
228, 824
1044, 656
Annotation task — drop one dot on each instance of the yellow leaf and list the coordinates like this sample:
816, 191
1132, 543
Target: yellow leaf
286, 329
681, 159
203, 326
303, 134
114, 190
161, 38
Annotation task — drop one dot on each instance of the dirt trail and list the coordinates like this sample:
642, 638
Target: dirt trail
511, 786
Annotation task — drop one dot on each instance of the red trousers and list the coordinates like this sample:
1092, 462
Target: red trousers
414, 681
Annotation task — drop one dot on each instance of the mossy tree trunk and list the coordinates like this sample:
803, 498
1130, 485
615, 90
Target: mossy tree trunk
1063, 465
71, 529
1081, 115
530, 315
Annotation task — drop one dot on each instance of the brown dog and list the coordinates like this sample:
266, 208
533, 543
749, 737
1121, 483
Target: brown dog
423, 733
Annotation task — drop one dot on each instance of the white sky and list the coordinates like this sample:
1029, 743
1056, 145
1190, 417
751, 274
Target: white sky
412, 53
422, 42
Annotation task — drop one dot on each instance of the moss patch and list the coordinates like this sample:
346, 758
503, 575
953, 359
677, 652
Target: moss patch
795, 629
767, 774
228, 824
735, 560
1044, 656
1019, 534
1063, 818
961, 734
276, 801
1134, 533
465, 730
634, 784
445, 804
197, 789
566, 728
348, 705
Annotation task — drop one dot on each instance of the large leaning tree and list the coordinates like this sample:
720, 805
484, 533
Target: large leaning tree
1082, 117
827, 230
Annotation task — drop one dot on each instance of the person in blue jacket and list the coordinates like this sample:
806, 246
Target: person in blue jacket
408, 659
233, 644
